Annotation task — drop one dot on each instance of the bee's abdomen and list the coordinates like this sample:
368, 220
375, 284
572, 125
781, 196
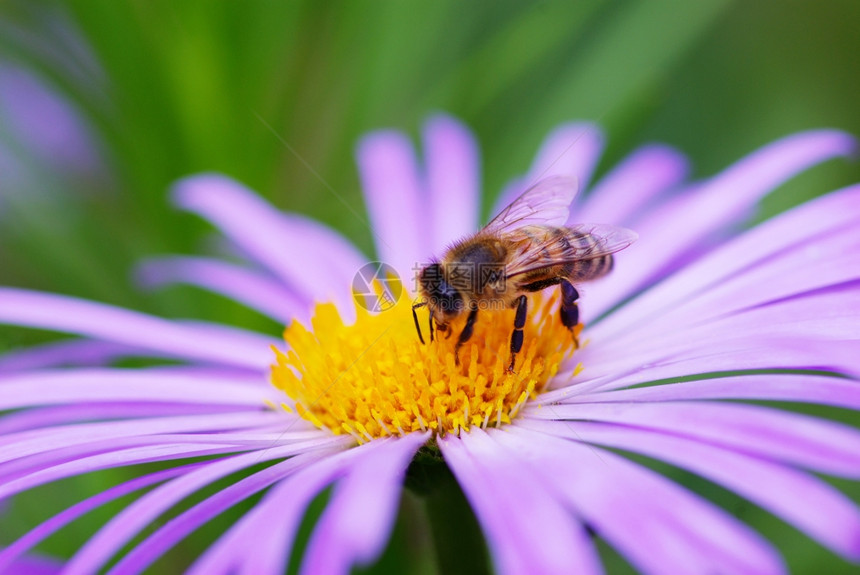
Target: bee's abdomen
554, 253
583, 267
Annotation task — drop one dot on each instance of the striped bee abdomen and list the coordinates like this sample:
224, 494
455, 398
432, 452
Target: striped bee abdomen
584, 266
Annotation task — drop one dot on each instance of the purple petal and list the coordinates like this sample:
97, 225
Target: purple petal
819, 317
789, 236
57, 522
34, 565
570, 150
509, 503
657, 525
817, 230
794, 332
263, 437
163, 385
748, 353
357, 522
269, 529
827, 261
813, 314
67, 352
802, 440
45, 123
222, 556
127, 523
141, 556
23, 420
272, 237
117, 458
711, 207
100, 321
622, 194
822, 512
229, 332
452, 168
834, 391
394, 198
240, 284
31, 442
183, 524
50, 464
831, 280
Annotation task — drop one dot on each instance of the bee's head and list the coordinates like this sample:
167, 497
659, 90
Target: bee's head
443, 299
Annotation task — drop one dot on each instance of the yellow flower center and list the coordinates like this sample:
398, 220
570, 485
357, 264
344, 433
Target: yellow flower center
374, 378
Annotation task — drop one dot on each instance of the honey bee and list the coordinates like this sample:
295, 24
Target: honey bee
524, 249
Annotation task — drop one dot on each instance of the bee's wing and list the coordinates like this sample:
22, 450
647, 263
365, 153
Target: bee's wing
595, 240
545, 203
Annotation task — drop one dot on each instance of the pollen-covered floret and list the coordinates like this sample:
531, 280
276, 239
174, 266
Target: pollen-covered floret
374, 378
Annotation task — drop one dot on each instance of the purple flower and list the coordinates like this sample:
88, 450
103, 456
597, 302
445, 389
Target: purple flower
694, 313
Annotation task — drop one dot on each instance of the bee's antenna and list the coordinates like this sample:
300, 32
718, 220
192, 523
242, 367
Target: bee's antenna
415, 317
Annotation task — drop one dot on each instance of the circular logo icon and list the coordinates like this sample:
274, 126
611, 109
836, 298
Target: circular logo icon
376, 287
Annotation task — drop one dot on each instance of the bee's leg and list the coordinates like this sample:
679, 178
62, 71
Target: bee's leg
517, 334
569, 308
415, 317
465, 334
430, 326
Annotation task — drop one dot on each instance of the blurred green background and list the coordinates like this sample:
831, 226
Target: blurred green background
157, 90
